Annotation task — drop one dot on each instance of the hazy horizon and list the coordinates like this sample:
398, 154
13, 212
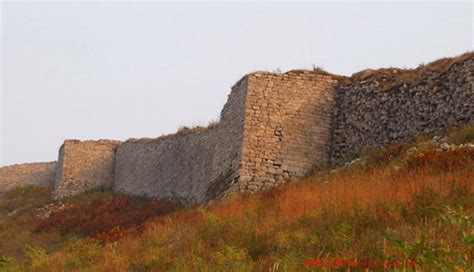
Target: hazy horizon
122, 70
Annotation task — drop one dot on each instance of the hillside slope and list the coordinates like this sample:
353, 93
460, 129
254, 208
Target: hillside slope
407, 206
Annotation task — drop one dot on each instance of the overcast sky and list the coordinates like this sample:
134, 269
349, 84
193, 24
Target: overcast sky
110, 70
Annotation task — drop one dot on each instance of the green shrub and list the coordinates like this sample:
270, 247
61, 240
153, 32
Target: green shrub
461, 136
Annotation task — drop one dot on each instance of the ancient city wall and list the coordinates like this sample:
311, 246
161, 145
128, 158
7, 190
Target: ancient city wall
84, 165
192, 168
374, 108
273, 128
286, 128
34, 174
277, 127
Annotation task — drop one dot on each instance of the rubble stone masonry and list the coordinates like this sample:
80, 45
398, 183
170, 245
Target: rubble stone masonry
374, 110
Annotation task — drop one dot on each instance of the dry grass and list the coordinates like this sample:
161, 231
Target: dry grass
368, 191
184, 130
105, 219
251, 232
409, 208
391, 78
365, 185
463, 135
316, 70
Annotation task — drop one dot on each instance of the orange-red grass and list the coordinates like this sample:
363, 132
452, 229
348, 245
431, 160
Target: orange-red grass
439, 171
263, 221
105, 219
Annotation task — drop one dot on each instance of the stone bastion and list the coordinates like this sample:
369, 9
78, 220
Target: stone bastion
274, 127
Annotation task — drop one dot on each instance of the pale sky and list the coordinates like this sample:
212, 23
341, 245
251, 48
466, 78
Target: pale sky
117, 70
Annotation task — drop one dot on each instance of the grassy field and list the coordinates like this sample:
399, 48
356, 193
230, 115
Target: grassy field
407, 207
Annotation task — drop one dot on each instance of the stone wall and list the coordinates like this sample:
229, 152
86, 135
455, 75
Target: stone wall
227, 161
27, 174
287, 126
374, 108
84, 165
189, 169
273, 128
34, 174
175, 168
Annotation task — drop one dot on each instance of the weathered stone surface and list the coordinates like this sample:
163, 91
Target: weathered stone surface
34, 174
286, 128
84, 165
276, 127
174, 168
190, 169
368, 115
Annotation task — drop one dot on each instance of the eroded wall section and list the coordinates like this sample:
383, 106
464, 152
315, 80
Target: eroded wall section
27, 174
375, 108
85, 165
